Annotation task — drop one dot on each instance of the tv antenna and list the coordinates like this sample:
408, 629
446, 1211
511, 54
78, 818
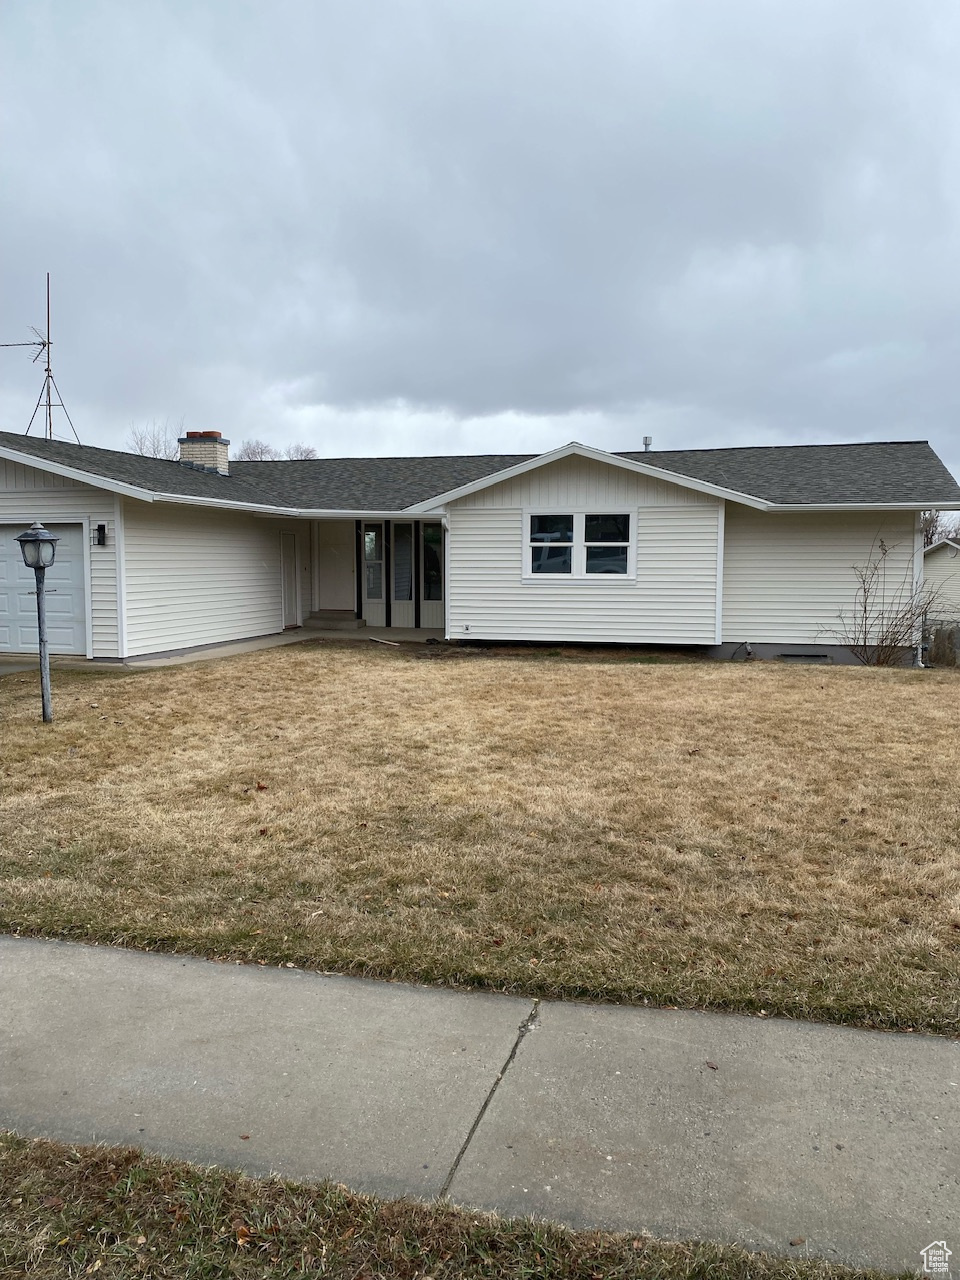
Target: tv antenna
50, 397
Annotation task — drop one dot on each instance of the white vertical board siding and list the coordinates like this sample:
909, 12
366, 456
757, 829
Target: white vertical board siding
788, 576
28, 494
673, 599
15, 477
198, 577
941, 573
584, 482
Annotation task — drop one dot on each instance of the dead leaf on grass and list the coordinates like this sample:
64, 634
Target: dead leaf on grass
244, 1234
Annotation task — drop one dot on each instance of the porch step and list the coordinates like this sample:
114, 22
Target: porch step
335, 620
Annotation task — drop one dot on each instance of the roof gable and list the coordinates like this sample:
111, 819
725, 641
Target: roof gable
574, 448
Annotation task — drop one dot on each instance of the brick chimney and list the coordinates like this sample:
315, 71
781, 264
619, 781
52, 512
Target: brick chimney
205, 451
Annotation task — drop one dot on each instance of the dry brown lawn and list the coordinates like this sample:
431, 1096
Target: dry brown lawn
755, 837
116, 1213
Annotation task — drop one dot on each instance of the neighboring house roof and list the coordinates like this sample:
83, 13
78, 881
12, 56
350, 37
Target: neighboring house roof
944, 542
900, 473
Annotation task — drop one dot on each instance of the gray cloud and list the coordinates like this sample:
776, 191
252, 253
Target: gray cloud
419, 226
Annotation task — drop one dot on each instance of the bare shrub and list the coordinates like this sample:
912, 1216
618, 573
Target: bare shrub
887, 618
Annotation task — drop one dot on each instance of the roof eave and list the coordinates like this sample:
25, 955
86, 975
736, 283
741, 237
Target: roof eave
863, 506
337, 513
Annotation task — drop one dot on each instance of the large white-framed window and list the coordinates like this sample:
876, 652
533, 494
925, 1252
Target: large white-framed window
584, 544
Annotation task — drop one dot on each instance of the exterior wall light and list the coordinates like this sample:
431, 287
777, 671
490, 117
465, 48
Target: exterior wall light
39, 548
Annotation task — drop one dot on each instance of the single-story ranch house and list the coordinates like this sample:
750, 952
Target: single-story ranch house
718, 548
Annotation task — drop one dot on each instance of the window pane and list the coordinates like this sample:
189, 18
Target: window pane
551, 528
551, 559
606, 529
403, 562
373, 544
374, 581
432, 562
606, 559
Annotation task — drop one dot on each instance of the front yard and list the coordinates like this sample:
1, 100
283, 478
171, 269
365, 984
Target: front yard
755, 837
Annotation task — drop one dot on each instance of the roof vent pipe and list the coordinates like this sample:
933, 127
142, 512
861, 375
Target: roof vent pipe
647, 442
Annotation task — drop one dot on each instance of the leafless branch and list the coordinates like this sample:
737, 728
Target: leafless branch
257, 451
156, 439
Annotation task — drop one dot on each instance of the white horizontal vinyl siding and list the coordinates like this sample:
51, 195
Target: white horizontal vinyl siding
941, 573
28, 494
787, 577
198, 577
584, 482
673, 599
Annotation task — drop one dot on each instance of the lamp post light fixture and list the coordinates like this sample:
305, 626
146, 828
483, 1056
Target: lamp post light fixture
39, 548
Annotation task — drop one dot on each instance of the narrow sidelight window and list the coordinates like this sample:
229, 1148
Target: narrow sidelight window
403, 562
432, 562
373, 557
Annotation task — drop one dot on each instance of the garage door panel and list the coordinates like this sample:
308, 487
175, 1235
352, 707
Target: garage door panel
64, 589
59, 607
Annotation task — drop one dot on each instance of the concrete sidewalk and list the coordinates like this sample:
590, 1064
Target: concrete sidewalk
679, 1123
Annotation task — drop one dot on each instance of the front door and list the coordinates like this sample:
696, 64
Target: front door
335, 566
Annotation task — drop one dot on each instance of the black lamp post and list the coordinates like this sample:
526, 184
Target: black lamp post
39, 547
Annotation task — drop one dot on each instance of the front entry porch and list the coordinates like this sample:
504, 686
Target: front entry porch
342, 574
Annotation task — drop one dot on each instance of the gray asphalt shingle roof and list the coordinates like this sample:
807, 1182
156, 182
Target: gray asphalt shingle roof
896, 472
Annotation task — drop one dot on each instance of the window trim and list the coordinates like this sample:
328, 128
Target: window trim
579, 557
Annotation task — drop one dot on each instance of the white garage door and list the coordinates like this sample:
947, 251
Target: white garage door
65, 594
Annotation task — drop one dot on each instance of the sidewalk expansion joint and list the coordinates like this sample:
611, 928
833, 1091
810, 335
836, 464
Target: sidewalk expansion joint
529, 1022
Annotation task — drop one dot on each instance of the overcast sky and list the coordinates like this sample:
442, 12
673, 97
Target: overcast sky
430, 226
